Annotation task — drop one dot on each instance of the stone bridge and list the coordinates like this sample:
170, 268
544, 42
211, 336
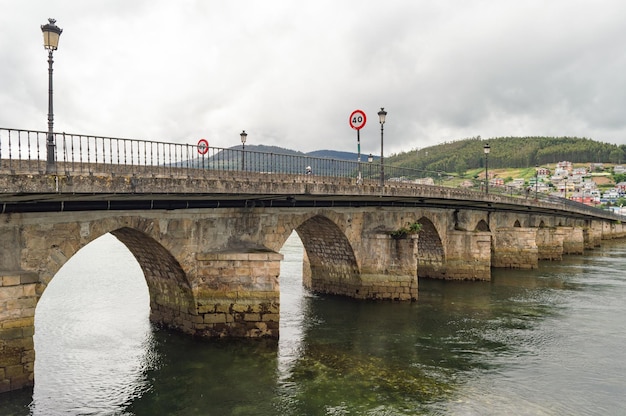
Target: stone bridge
209, 247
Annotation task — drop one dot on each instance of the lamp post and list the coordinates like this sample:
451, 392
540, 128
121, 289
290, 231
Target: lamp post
370, 159
381, 118
536, 180
51, 34
244, 136
487, 149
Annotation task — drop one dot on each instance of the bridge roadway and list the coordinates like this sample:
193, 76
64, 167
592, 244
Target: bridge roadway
193, 188
208, 242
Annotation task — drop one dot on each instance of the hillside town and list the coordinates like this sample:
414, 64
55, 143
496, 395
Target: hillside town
591, 185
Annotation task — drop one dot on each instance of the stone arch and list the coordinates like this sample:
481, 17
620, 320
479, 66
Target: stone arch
482, 226
542, 224
430, 251
517, 224
330, 264
172, 303
171, 300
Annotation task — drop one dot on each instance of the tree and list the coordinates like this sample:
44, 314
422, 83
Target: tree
616, 156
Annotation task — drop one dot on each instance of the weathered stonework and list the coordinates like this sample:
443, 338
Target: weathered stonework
18, 299
469, 255
215, 272
515, 248
389, 268
549, 244
573, 240
237, 294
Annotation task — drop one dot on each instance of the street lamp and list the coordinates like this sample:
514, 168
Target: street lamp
244, 136
381, 118
370, 159
51, 34
487, 149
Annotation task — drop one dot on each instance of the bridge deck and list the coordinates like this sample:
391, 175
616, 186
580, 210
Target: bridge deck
213, 189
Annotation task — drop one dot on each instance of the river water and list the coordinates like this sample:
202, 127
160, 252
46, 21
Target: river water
542, 342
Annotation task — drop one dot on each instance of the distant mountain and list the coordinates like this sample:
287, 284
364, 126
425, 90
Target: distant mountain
269, 149
326, 154
265, 158
334, 154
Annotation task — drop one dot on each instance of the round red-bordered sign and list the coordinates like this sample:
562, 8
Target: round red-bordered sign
357, 119
203, 146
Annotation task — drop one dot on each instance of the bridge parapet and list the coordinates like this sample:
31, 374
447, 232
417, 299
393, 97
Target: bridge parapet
52, 192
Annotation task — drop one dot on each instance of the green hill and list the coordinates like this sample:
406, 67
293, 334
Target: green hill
508, 152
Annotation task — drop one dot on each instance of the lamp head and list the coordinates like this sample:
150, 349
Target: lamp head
244, 136
51, 34
381, 115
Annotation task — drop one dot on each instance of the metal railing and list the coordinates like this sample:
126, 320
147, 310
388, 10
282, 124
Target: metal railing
25, 151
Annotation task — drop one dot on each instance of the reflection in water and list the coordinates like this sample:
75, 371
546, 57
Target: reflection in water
547, 341
92, 355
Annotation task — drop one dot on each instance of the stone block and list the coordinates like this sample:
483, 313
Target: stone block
19, 323
270, 317
10, 334
5, 385
252, 317
11, 280
13, 371
214, 318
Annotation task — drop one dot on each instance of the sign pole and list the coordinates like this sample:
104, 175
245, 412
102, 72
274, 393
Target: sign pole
357, 121
359, 179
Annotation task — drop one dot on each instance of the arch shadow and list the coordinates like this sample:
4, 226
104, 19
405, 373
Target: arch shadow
329, 264
430, 251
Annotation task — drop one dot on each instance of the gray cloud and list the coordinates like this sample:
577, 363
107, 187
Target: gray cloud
290, 73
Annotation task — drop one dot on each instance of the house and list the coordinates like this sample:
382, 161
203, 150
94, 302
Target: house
619, 169
583, 198
543, 172
611, 195
516, 183
425, 181
621, 187
567, 166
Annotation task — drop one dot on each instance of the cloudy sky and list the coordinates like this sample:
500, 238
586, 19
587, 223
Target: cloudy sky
291, 72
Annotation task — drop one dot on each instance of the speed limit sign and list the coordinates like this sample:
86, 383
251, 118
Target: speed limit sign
203, 146
357, 119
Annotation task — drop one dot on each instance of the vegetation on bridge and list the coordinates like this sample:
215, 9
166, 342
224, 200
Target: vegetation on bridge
409, 229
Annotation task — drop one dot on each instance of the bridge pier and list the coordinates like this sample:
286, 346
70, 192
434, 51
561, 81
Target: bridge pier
18, 299
550, 243
468, 255
593, 235
515, 248
388, 270
237, 294
573, 240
